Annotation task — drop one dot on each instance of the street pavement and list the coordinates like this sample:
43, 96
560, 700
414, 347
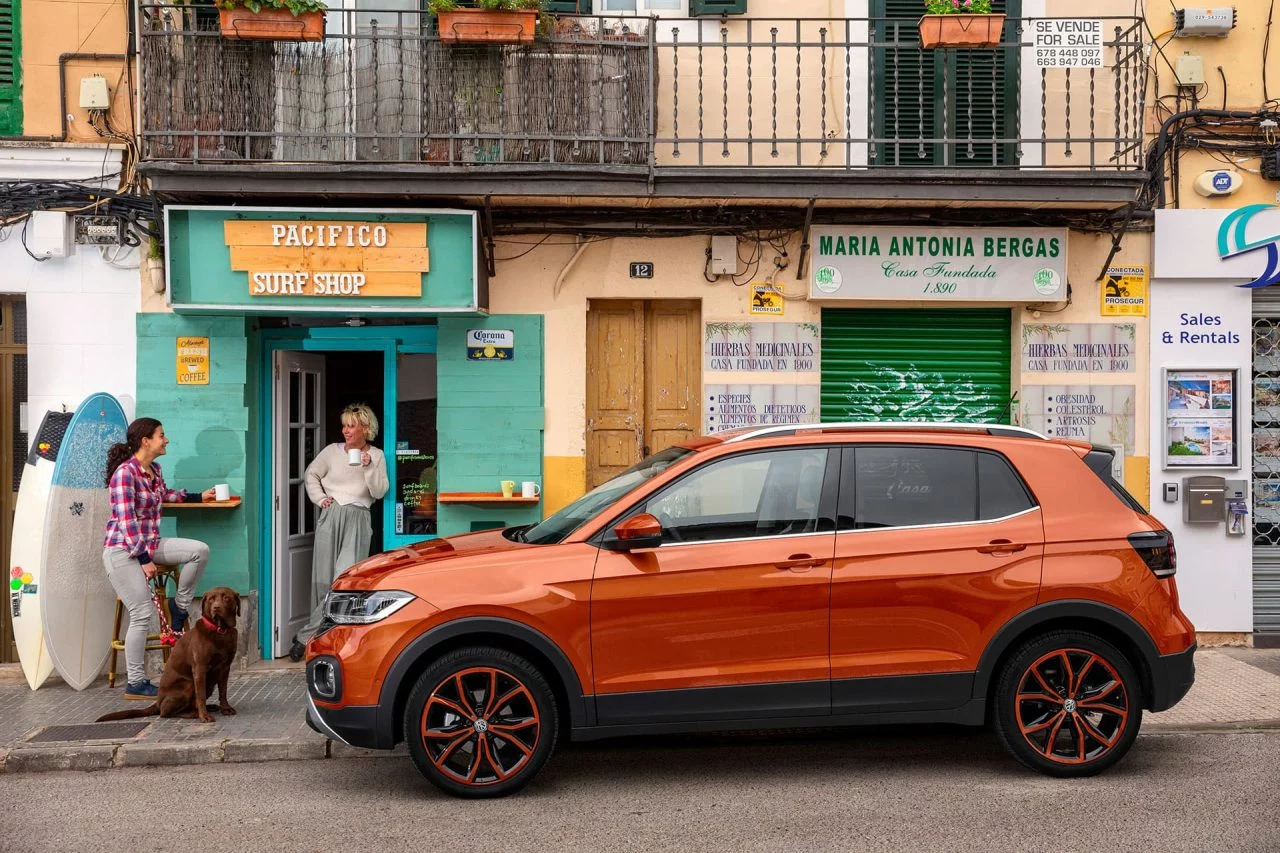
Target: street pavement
1235, 690
917, 790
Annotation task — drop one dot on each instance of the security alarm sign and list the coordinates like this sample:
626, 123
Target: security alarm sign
1067, 42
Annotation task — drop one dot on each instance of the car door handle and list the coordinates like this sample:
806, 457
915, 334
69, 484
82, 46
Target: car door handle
1001, 546
800, 562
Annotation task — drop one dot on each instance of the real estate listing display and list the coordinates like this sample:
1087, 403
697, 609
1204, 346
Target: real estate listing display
1200, 419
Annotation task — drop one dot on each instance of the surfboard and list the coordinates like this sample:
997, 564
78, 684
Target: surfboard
26, 553
77, 602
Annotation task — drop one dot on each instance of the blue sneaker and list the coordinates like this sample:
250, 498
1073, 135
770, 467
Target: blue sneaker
143, 689
177, 618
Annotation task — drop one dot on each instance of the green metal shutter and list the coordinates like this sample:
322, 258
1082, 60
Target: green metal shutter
980, 102
703, 8
926, 364
10, 68
568, 7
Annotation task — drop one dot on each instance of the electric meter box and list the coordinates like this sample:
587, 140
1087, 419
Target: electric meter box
1215, 22
1204, 500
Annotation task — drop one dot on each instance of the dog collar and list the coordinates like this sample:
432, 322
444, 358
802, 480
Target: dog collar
211, 626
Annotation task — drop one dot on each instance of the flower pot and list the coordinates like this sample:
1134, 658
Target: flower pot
488, 26
960, 30
271, 25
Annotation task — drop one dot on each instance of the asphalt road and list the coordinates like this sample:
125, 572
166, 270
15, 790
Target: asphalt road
895, 790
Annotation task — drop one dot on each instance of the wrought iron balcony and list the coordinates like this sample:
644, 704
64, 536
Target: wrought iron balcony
650, 97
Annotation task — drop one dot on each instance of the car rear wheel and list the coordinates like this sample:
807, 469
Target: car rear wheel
1068, 704
480, 722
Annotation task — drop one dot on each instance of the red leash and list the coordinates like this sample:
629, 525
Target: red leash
168, 636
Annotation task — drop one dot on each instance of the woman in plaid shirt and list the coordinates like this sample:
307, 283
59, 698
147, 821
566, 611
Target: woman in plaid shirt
133, 546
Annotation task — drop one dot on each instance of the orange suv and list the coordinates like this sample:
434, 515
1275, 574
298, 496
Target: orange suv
825, 575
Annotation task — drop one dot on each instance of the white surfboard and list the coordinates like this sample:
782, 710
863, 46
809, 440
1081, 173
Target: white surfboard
77, 602
26, 554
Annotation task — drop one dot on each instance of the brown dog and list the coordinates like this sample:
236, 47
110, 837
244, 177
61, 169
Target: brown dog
200, 659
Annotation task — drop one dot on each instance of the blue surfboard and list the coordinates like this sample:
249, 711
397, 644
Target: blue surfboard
77, 602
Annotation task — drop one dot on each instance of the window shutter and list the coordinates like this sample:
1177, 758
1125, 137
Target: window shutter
706, 8
10, 69
568, 7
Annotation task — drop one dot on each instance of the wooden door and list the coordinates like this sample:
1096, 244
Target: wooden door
643, 381
13, 440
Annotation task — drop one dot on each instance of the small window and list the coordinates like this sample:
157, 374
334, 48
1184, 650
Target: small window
1001, 492
776, 493
909, 486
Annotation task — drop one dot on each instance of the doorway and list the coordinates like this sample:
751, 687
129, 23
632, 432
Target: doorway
13, 437
643, 380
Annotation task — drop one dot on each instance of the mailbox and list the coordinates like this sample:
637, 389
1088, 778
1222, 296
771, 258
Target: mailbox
1204, 500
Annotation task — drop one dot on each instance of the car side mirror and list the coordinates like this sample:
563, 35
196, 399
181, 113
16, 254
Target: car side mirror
639, 531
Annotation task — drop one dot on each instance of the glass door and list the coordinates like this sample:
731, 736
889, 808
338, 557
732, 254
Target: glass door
414, 446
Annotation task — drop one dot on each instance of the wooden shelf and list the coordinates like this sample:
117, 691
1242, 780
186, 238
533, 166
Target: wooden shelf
228, 504
483, 498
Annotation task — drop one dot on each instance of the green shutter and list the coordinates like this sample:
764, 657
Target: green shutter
10, 68
567, 7
980, 100
717, 7
917, 364
490, 420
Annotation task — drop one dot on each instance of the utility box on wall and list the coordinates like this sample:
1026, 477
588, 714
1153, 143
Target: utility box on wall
709, 8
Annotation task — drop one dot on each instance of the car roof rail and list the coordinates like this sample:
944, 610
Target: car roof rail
793, 429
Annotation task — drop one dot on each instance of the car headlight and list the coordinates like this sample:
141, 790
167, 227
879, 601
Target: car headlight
364, 608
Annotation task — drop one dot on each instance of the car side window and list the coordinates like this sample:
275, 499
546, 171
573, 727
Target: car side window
904, 485
771, 493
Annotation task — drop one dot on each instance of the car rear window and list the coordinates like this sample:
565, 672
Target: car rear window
1099, 462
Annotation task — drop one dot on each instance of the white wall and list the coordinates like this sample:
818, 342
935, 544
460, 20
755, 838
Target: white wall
81, 332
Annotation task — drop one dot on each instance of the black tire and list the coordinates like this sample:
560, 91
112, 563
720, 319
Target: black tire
480, 722
1079, 728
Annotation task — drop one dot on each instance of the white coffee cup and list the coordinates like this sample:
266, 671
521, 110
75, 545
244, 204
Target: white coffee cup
529, 489
353, 456
222, 492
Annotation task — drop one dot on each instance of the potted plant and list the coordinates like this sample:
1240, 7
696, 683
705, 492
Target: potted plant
274, 20
490, 22
960, 23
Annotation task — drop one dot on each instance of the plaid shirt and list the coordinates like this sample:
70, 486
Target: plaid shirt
135, 508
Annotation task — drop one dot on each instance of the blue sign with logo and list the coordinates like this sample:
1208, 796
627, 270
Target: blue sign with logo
1222, 181
1232, 242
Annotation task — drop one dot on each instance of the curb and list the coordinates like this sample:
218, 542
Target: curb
1214, 728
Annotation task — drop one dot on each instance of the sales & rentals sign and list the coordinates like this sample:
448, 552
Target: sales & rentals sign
939, 264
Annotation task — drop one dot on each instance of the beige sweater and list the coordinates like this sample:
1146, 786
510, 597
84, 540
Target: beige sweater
329, 476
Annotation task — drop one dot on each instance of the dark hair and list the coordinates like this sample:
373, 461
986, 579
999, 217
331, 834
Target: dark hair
119, 453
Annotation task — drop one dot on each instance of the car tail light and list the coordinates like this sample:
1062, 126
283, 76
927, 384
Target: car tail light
1155, 547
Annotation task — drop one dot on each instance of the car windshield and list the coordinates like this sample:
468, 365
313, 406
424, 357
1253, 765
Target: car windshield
556, 527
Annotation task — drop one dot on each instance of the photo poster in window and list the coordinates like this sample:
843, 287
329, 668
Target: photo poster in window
1200, 419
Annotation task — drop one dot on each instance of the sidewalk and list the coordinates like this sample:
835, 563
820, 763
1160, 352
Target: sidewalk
1235, 689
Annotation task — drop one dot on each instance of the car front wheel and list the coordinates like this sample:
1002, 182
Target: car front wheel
480, 722
1068, 704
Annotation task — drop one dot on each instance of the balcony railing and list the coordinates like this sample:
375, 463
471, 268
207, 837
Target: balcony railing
636, 94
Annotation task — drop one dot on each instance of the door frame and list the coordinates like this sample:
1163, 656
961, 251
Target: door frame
388, 340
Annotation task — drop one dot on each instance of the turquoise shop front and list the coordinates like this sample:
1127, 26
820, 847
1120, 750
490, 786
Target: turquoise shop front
282, 317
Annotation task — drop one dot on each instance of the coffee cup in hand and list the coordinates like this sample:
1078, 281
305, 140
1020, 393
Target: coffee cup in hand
353, 456
222, 492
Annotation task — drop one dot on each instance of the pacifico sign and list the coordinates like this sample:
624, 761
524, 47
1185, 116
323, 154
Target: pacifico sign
346, 259
939, 264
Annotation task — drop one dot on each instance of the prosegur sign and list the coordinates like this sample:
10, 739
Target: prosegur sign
939, 264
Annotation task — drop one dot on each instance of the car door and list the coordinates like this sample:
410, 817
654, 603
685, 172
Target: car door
936, 548
729, 617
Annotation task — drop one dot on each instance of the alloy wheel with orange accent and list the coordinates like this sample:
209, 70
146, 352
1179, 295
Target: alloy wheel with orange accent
480, 722
1068, 704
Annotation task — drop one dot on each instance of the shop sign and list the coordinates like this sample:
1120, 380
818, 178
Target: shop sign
1099, 414
318, 258
1067, 42
1079, 347
1232, 242
734, 406
761, 347
491, 344
766, 300
939, 264
1124, 292
193, 361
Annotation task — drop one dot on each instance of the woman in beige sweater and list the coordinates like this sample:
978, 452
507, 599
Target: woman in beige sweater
343, 480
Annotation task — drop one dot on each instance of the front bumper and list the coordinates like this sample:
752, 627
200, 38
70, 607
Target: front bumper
1171, 678
355, 725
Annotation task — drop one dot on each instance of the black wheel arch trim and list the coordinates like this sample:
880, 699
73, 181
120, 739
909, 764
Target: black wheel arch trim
579, 705
1041, 614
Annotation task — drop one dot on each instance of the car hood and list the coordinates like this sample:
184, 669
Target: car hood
367, 573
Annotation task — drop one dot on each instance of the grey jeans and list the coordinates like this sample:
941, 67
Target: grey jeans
343, 534
130, 584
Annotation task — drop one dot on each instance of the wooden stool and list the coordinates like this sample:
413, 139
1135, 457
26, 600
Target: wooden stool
163, 574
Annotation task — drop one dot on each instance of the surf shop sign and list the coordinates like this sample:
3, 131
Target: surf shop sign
271, 260
939, 264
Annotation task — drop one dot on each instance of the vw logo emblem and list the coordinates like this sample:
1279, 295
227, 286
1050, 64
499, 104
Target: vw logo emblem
1069, 706
482, 726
